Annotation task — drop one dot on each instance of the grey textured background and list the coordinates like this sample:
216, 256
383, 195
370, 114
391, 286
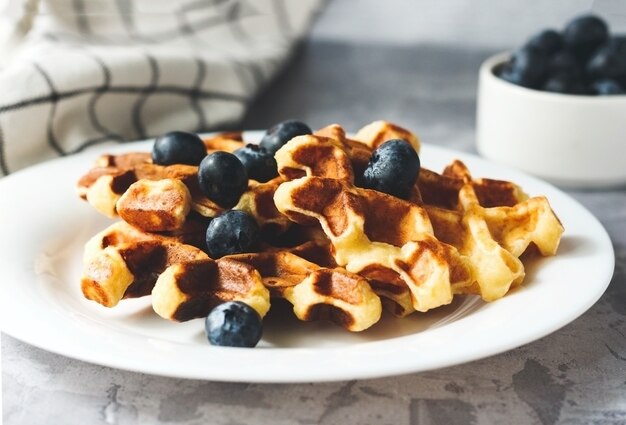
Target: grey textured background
364, 63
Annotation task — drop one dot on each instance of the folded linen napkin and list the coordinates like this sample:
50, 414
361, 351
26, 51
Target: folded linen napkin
77, 73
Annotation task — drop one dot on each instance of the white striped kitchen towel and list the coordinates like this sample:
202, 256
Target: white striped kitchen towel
75, 73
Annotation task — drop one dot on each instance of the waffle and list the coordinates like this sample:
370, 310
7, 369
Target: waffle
378, 132
317, 292
224, 142
335, 251
385, 239
491, 222
442, 242
124, 262
158, 198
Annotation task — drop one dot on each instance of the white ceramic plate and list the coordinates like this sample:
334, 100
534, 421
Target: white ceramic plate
43, 226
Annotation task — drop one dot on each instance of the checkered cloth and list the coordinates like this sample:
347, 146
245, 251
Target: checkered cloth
88, 72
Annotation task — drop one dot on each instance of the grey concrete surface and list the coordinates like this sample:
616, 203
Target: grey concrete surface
574, 376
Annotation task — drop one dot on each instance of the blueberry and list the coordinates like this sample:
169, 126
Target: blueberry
565, 62
548, 41
261, 166
527, 67
606, 87
618, 44
608, 62
585, 34
392, 169
178, 147
222, 178
281, 133
232, 232
564, 83
234, 324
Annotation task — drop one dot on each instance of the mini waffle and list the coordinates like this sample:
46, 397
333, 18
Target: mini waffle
378, 132
112, 175
385, 239
317, 293
224, 142
124, 262
158, 198
190, 290
492, 222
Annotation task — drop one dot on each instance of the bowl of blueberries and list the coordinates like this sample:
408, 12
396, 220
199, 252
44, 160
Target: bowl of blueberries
556, 107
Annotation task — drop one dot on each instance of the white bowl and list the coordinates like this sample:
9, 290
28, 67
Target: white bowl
569, 140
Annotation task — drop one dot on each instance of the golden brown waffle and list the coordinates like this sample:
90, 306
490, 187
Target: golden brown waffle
444, 242
158, 198
385, 239
378, 132
359, 148
112, 175
190, 290
492, 222
224, 142
317, 293
124, 262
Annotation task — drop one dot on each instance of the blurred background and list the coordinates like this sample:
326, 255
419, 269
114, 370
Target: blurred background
80, 73
413, 62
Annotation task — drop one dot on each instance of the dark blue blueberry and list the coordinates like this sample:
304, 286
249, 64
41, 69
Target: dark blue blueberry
618, 42
549, 41
222, 178
583, 35
281, 133
178, 147
527, 67
232, 232
565, 62
261, 166
606, 87
608, 62
564, 83
392, 169
234, 324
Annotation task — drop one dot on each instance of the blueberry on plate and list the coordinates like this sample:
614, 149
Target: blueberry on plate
234, 324
606, 87
549, 41
232, 232
392, 169
583, 35
260, 165
281, 133
564, 83
527, 67
222, 178
178, 147
608, 62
